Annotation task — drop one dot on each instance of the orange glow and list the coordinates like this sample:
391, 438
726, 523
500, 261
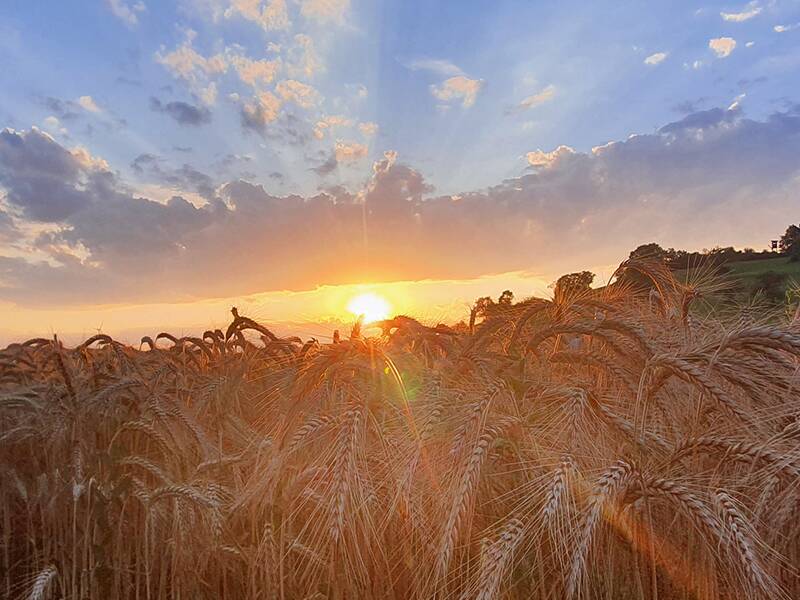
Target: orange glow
372, 306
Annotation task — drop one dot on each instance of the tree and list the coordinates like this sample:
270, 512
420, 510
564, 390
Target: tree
479, 309
790, 243
651, 251
506, 298
572, 284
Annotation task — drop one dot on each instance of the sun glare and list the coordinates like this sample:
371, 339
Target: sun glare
372, 306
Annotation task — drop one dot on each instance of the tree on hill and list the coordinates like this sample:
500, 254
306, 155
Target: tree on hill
651, 250
572, 284
790, 243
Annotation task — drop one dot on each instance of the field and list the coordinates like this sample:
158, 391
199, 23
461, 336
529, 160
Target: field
602, 444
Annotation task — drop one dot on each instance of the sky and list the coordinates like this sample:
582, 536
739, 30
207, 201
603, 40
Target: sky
161, 161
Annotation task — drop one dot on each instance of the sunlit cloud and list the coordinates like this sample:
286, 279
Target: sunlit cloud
722, 46
272, 15
302, 94
457, 88
325, 11
348, 152
752, 10
546, 95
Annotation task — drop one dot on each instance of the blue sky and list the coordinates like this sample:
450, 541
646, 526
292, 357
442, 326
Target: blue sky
339, 141
590, 54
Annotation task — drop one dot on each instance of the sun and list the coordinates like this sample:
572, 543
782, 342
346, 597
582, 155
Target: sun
372, 306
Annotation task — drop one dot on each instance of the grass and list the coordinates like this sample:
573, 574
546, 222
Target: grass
603, 444
751, 269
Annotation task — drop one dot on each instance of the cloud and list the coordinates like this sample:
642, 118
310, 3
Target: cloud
260, 111
435, 65
64, 109
349, 152
722, 46
128, 14
458, 88
187, 64
255, 72
539, 159
182, 112
302, 94
302, 58
88, 103
785, 28
714, 176
270, 16
752, 10
52, 124
368, 129
656, 58
42, 179
152, 168
327, 167
325, 11
546, 95
329, 122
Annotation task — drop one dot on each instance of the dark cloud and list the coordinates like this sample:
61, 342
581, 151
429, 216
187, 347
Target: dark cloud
43, 179
182, 112
689, 106
712, 177
701, 120
327, 167
128, 81
65, 110
153, 168
8, 230
184, 149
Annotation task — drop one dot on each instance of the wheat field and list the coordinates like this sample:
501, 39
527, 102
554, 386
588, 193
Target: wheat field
602, 444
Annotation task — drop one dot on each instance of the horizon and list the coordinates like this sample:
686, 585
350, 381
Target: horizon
160, 163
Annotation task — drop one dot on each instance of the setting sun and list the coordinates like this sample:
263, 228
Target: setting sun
372, 306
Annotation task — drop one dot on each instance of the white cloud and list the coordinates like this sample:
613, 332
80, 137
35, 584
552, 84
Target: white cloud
52, 123
271, 16
349, 152
547, 94
324, 10
745, 14
304, 95
88, 103
749, 44
458, 87
722, 46
435, 65
656, 58
785, 28
127, 14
